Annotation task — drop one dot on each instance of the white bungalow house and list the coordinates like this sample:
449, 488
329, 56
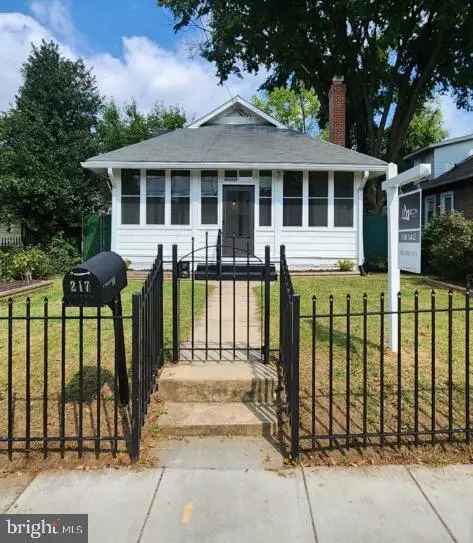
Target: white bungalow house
239, 170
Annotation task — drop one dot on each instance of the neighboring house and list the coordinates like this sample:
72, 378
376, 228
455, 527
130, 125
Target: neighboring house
239, 170
450, 186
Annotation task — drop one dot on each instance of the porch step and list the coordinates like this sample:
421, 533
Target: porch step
217, 419
218, 381
240, 271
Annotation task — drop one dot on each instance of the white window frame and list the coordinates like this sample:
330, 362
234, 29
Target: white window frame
430, 199
443, 196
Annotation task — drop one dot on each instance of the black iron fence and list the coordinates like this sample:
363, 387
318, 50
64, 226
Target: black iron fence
289, 329
217, 320
148, 347
58, 381
59, 384
356, 392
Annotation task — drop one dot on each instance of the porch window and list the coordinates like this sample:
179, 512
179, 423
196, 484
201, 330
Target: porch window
180, 196
130, 196
292, 199
155, 196
265, 197
318, 198
343, 202
209, 197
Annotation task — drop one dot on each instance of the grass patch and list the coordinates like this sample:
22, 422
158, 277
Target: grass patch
48, 363
348, 409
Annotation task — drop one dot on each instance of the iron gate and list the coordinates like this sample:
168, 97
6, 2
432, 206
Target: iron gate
226, 314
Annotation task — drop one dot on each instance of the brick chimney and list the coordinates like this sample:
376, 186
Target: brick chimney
337, 111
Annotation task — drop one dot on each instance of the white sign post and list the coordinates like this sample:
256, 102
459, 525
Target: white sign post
391, 186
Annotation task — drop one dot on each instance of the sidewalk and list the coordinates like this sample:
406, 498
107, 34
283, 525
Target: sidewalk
219, 492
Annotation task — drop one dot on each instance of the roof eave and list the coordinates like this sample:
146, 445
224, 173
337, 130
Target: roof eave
104, 165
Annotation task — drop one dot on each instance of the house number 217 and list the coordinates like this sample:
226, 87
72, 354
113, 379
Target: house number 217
80, 286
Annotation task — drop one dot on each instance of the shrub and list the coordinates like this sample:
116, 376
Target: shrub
346, 265
447, 244
63, 255
6, 264
32, 261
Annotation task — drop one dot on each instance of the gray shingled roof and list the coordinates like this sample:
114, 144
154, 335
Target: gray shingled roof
241, 144
463, 170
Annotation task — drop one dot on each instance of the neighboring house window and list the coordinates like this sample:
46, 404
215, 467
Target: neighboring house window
429, 208
155, 196
292, 199
446, 202
209, 197
318, 198
180, 196
343, 199
265, 197
130, 196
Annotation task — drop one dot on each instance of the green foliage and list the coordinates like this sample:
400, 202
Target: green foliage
45, 136
345, 265
394, 56
295, 108
6, 268
63, 254
425, 129
31, 260
119, 127
447, 246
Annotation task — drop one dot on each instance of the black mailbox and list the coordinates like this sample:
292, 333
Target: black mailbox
96, 282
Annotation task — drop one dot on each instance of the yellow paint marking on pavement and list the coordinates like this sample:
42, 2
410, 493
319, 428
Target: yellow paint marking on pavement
186, 513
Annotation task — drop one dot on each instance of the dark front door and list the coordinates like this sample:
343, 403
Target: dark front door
238, 219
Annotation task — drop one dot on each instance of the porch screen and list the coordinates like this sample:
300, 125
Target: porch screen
318, 198
343, 202
130, 196
209, 197
180, 196
155, 196
292, 199
265, 197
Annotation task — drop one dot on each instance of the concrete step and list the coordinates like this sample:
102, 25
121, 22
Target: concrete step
217, 419
218, 381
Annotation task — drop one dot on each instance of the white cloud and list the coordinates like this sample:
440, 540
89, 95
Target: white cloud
149, 73
146, 71
458, 122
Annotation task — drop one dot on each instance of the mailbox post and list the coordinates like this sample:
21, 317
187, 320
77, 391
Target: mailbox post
95, 283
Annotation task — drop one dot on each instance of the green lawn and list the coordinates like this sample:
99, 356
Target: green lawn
37, 353
373, 285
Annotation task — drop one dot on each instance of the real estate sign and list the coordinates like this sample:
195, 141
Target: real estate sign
410, 224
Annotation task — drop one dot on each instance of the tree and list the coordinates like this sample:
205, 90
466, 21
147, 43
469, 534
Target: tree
295, 108
44, 137
395, 55
119, 127
425, 128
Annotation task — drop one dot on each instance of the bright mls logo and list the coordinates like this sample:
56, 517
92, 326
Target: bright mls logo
44, 528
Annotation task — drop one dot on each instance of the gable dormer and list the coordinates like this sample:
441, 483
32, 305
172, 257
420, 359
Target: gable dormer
237, 111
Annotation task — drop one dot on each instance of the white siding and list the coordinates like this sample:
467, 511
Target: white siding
306, 247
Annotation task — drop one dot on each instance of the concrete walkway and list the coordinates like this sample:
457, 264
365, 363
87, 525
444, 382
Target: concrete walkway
245, 320
229, 491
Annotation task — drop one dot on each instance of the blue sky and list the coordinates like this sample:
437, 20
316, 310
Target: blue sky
134, 53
